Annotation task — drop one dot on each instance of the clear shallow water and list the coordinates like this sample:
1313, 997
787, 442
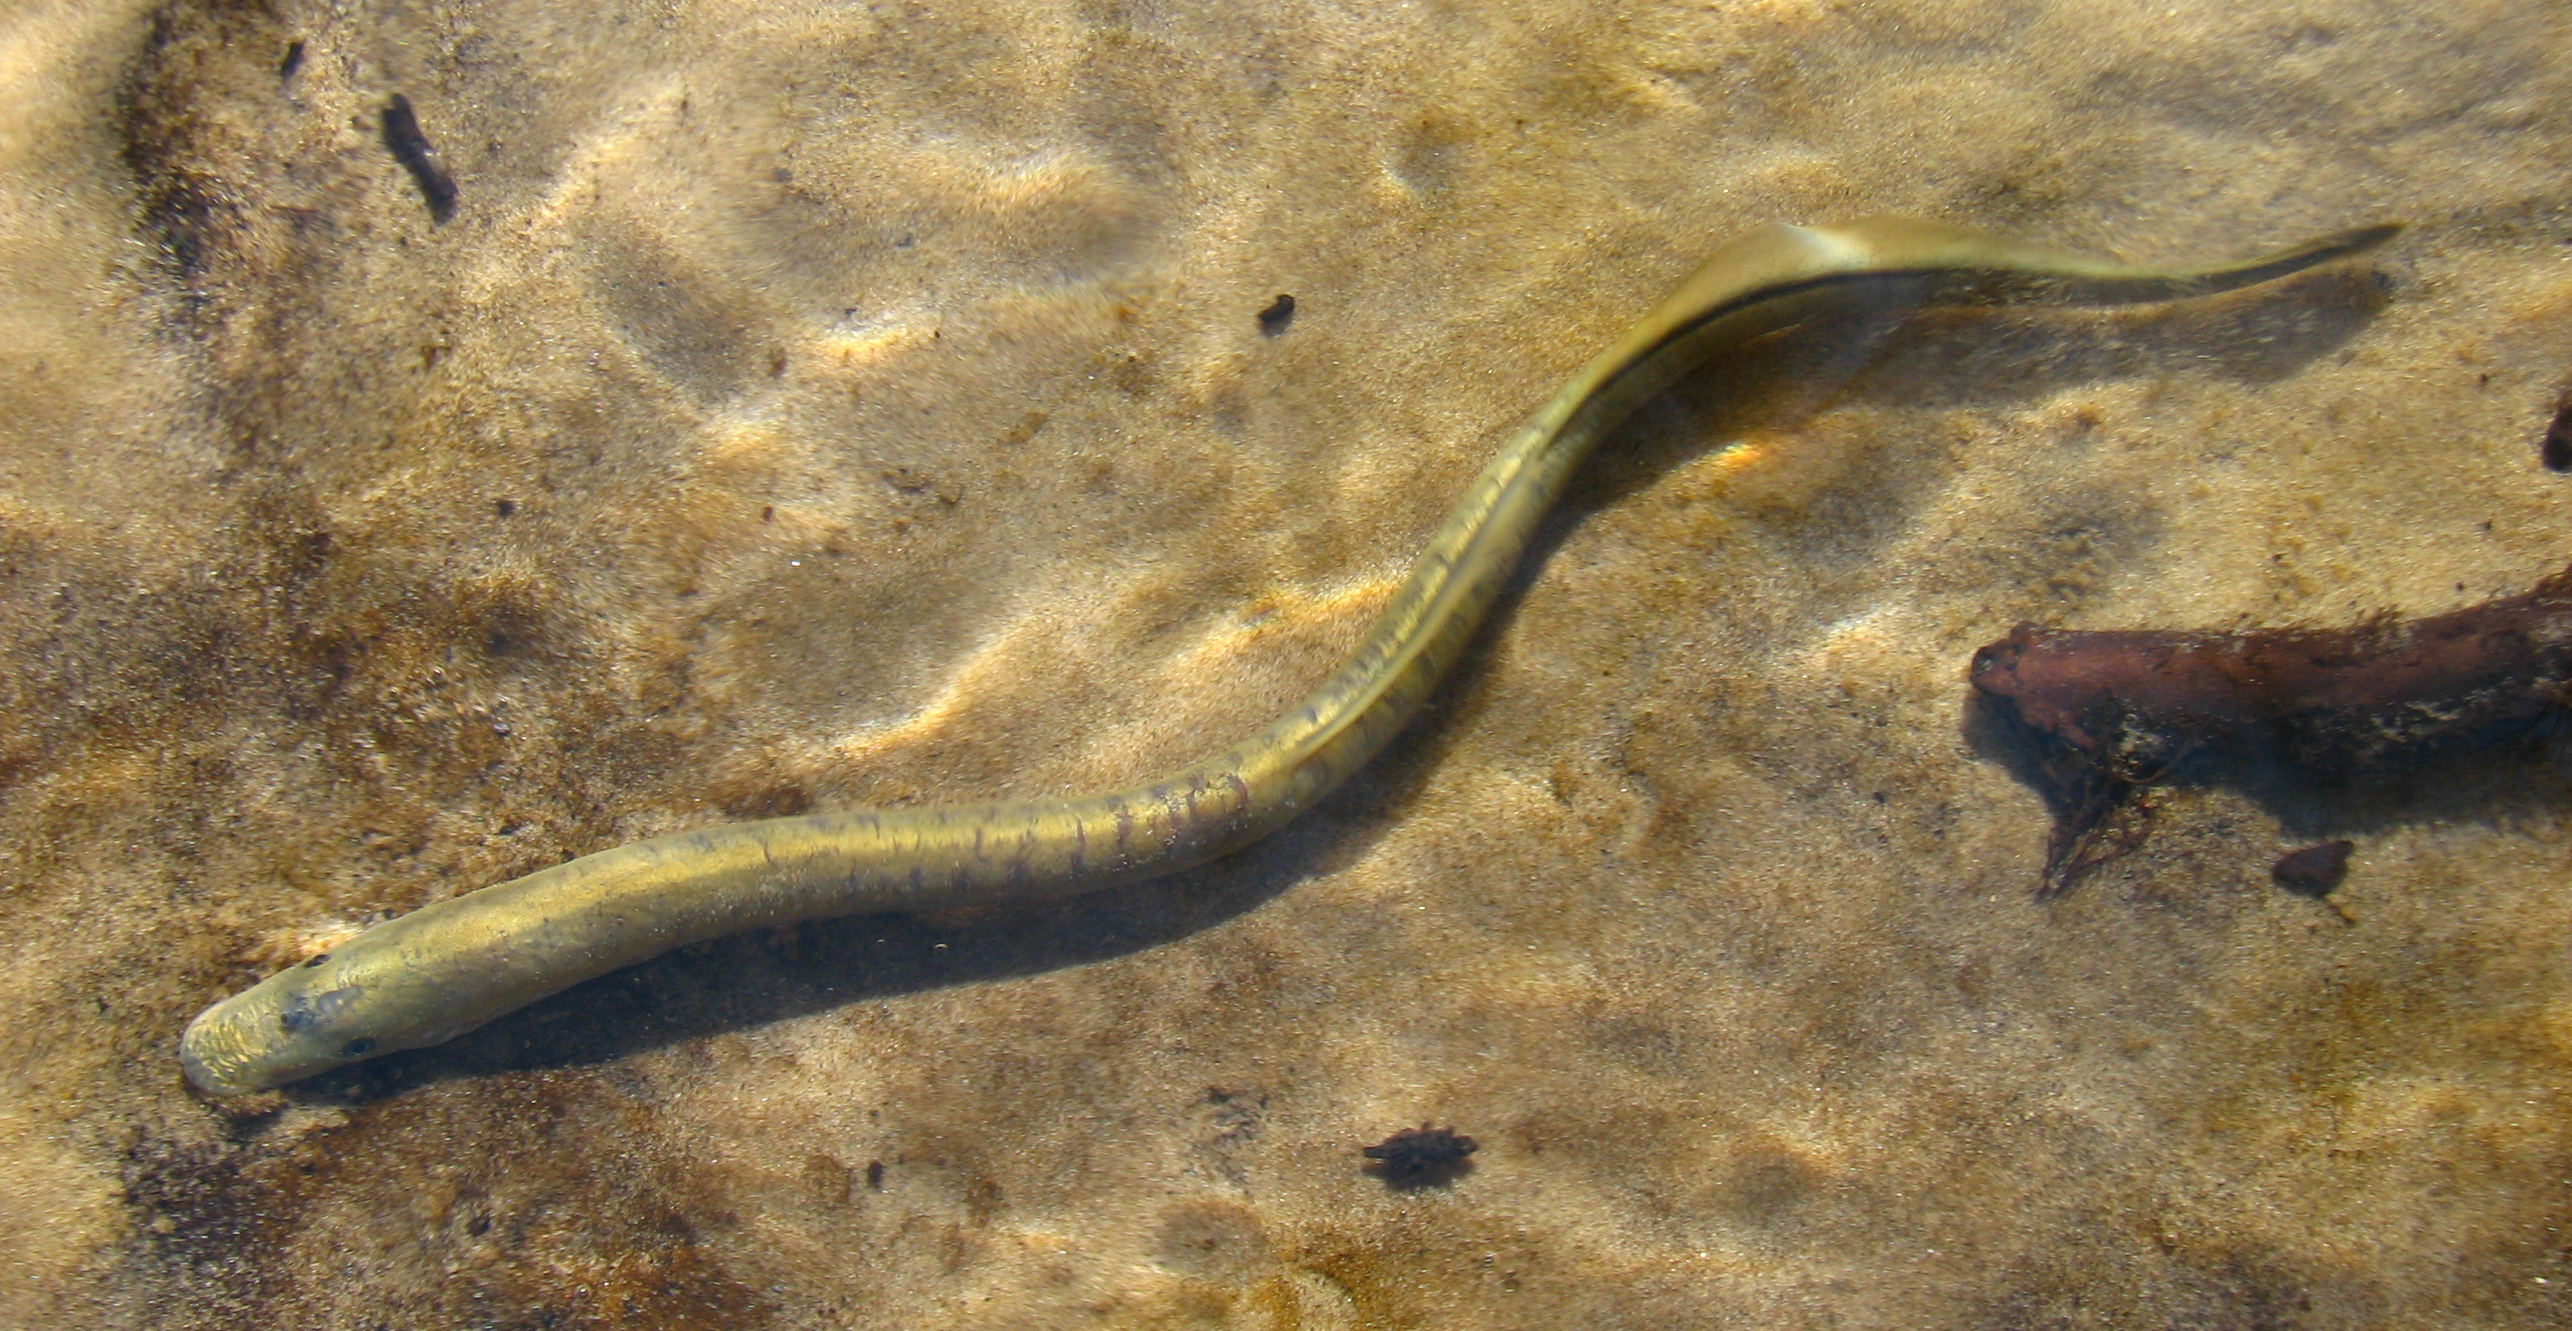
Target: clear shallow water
806, 407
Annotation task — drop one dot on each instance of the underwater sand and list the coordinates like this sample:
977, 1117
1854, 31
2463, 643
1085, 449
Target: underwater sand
810, 405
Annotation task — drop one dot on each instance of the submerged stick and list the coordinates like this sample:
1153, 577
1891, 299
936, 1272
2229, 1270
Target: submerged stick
2118, 712
447, 968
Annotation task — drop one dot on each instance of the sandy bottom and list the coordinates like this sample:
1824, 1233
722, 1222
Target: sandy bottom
809, 405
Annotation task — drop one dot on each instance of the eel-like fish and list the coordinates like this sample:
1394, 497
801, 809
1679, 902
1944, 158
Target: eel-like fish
447, 968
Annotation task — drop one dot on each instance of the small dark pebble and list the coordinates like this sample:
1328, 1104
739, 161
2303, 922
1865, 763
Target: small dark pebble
504, 507
410, 147
1420, 1157
294, 60
1280, 312
2556, 451
2313, 871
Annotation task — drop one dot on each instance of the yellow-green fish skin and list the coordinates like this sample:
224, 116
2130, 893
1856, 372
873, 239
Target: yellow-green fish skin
447, 968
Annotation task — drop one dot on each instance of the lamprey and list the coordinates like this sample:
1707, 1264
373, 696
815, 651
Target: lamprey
447, 968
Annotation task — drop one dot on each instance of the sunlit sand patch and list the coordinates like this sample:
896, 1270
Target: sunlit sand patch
63, 1204
294, 944
1054, 178
1710, 492
1860, 633
870, 343
1077, 312
45, 105
746, 441
717, 501
614, 145
1004, 663
990, 668
1757, 449
1017, 219
2405, 1115
397, 483
1285, 611
1771, 471
2553, 1025
21, 520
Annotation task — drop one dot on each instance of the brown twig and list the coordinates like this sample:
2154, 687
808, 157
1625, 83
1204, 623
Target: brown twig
2116, 713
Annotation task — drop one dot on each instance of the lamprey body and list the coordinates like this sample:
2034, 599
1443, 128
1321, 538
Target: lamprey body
447, 968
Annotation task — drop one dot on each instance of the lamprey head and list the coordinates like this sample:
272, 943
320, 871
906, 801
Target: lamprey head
335, 1009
